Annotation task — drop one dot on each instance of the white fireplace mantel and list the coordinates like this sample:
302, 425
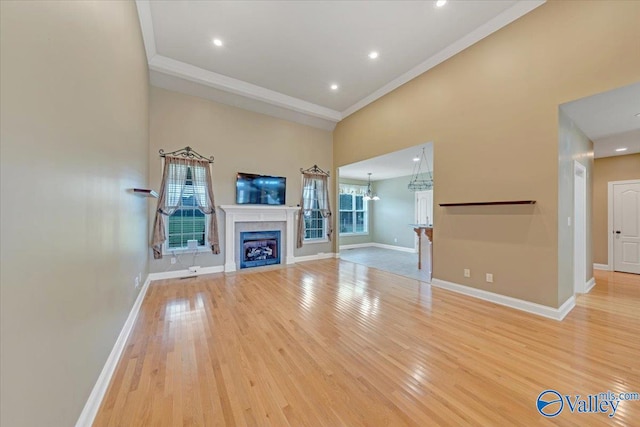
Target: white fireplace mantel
257, 213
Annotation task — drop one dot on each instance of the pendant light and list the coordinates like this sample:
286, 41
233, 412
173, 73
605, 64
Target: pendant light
421, 179
369, 195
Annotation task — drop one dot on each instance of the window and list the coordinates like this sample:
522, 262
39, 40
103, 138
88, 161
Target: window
314, 223
353, 210
187, 222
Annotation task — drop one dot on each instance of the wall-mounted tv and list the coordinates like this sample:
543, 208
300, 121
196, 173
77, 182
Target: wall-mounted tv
252, 189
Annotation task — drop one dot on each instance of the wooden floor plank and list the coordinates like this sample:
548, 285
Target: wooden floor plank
330, 343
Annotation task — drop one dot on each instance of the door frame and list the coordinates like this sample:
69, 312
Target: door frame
415, 212
579, 227
610, 184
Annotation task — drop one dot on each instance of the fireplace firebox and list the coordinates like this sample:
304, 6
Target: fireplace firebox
259, 248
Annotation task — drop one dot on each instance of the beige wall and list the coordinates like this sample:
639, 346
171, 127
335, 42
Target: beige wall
492, 112
573, 145
240, 141
74, 97
605, 170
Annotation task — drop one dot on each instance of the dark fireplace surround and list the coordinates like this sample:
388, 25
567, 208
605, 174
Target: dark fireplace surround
259, 248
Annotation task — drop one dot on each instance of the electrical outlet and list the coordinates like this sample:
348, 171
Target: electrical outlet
395, 240
173, 260
467, 272
489, 277
136, 282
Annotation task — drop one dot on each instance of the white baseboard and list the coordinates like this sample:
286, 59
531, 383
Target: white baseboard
323, 255
90, 409
590, 285
378, 245
565, 308
357, 246
186, 273
601, 267
518, 304
395, 248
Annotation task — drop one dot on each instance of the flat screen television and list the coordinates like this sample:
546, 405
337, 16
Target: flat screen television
252, 189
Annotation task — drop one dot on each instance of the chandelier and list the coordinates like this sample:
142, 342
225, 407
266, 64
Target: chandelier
422, 179
369, 195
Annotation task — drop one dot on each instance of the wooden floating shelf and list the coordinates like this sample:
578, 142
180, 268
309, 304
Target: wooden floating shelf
509, 202
145, 192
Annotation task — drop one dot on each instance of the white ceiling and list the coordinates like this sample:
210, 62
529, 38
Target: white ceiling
606, 146
392, 165
609, 120
280, 57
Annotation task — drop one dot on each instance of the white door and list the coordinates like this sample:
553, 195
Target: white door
424, 207
626, 227
424, 215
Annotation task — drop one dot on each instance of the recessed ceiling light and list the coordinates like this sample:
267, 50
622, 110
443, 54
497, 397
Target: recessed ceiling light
416, 159
621, 149
441, 3
334, 87
373, 54
217, 42
637, 115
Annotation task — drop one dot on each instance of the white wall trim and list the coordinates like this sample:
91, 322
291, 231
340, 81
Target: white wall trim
357, 246
176, 274
601, 267
395, 248
92, 405
204, 77
589, 285
321, 255
610, 260
518, 304
146, 26
187, 87
378, 245
189, 72
565, 308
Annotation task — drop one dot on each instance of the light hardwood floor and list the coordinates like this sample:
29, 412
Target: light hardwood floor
331, 343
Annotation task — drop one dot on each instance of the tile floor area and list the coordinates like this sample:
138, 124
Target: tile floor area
393, 261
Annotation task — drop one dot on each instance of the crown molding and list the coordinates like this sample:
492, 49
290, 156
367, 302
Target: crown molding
505, 18
199, 75
180, 85
146, 26
266, 101
167, 73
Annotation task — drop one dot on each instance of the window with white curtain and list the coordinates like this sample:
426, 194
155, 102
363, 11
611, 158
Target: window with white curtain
187, 222
354, 216
315, 225
186, 206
